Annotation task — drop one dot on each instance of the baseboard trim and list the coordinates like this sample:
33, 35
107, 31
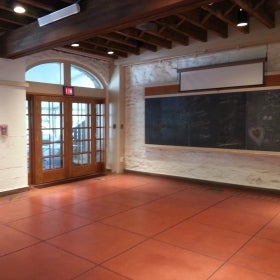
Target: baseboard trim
70, 180
15, 191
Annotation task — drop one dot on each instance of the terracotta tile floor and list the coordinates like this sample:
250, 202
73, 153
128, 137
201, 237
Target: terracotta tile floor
139, 227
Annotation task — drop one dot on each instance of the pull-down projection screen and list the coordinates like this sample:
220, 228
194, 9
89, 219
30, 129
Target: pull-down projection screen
222, 76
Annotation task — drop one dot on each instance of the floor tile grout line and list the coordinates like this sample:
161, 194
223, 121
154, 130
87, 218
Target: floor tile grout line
245, 243
31, 216
149, 238
105, 268
146, 239
186, 249
134, 207
152, 236
83, 273
52, 237
190, 217
123, 229
21, 249
125, 251
68, 252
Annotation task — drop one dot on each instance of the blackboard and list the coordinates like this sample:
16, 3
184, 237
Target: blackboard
231, 120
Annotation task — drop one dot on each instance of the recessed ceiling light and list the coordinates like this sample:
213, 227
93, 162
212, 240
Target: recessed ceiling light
110, 52
75, 45
19, 9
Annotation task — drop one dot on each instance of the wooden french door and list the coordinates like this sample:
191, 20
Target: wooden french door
68, 138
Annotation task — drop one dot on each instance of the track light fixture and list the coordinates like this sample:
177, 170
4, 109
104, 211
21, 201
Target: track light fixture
242, 18
59, 14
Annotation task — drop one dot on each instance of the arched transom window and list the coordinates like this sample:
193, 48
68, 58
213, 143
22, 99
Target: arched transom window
56, 73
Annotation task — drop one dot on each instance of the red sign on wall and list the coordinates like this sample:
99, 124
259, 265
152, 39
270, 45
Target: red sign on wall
68, 91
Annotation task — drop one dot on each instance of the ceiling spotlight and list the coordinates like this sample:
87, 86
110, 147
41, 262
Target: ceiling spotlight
75, 45
110, 52
19, 9
242, 18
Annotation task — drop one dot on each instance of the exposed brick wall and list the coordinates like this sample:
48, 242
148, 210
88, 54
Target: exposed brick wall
250, 169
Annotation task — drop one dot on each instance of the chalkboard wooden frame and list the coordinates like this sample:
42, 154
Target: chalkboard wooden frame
244, 121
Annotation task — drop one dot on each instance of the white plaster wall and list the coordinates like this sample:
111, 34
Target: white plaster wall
249, 169
12, 70
13, 161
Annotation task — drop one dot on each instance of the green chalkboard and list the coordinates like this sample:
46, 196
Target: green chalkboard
230, 121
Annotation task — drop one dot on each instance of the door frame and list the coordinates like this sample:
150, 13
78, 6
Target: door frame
37, 175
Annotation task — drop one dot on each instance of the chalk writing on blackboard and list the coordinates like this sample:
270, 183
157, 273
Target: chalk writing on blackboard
263, 120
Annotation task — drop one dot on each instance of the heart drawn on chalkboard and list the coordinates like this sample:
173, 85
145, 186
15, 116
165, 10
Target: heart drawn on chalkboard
257, 134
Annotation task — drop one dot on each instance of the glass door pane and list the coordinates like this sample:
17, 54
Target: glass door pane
81, 134
52, 129
100, 132
28, 116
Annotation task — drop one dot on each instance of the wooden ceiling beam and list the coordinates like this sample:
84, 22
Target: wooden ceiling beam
84, 51
146, 37
96, 17
114, 37
134, 42
206, 21
178, 23
11, 18
173, 34
31, 12
6, 26
228, 16
100, 48
113, 45
40, 5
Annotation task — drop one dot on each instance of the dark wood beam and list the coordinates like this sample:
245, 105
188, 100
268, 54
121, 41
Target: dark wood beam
114, 36
228, 16
96, 18
173, 34
178, 24
31, 12
103, 50
6, 26
207, 21
86, 52
111, 45
146, 37
39, 5
10, 17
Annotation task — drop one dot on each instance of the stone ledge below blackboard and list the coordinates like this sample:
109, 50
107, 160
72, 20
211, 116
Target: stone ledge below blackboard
213, 150
211, 185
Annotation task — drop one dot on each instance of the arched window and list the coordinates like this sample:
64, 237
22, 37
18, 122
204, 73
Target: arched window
82, 78
50, 73
55, 73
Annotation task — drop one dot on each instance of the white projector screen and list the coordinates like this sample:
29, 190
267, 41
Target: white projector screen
222, 76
